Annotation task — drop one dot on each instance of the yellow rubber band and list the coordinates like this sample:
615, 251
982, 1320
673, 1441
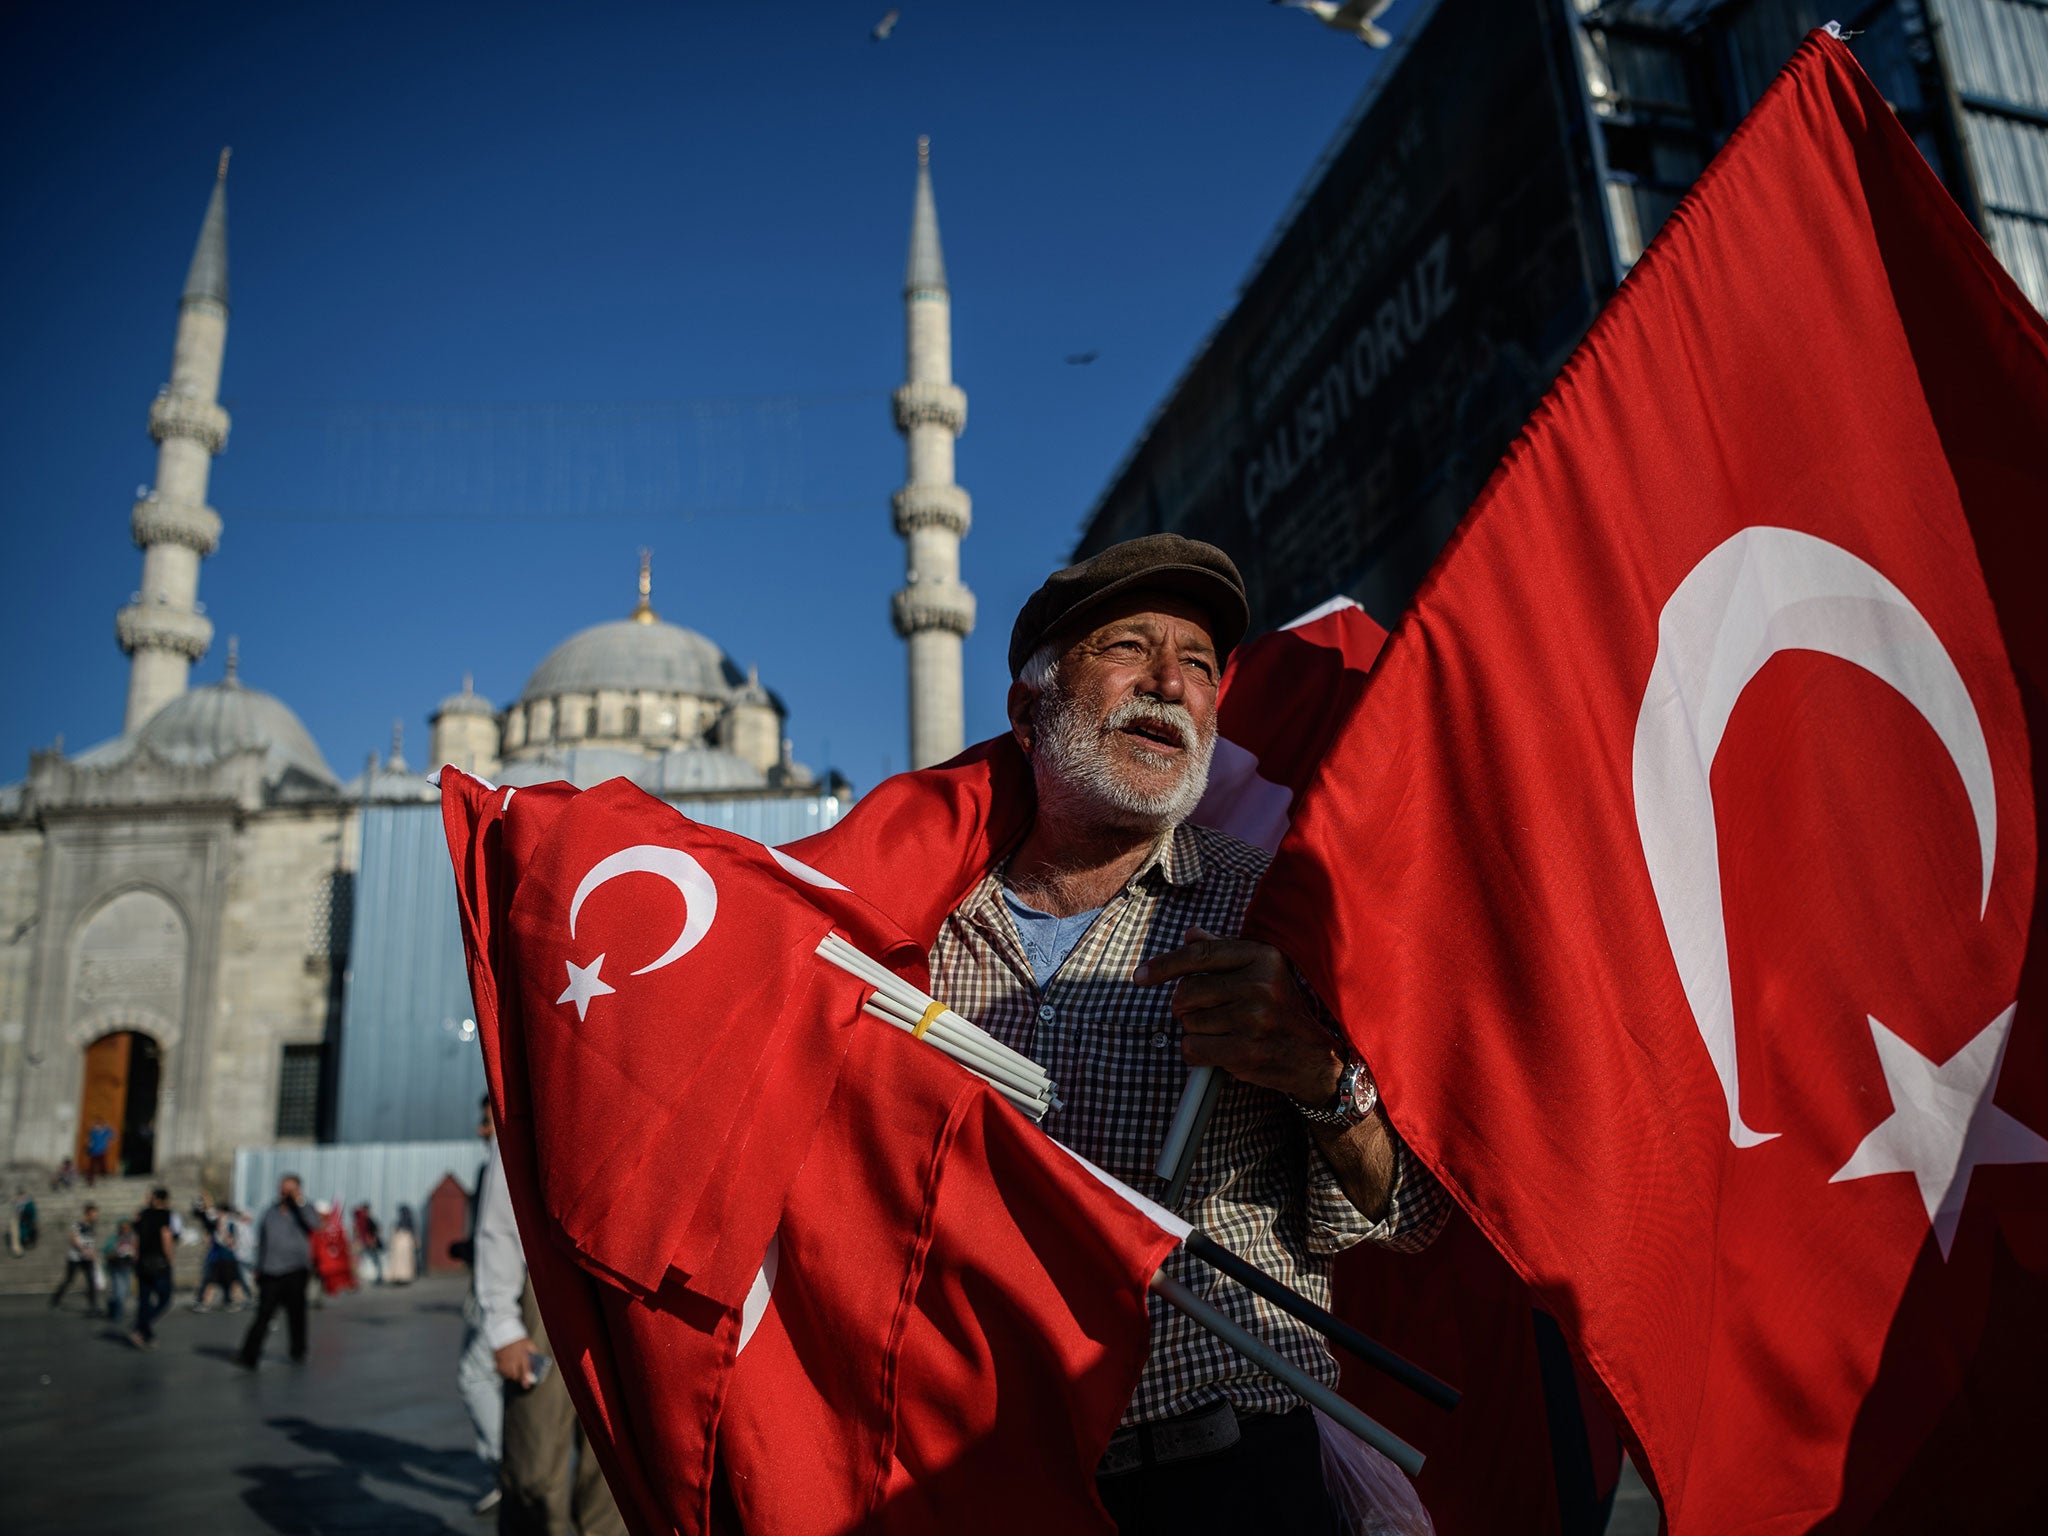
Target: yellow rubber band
931, 1012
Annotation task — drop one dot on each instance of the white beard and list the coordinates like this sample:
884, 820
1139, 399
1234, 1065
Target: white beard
1075, 765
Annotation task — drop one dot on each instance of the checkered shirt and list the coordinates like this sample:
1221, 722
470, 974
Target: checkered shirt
1259, 1185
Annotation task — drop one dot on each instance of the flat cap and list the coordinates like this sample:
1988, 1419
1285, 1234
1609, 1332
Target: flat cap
1158, 562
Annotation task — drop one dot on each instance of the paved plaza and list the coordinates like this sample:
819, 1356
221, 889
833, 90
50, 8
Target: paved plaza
368, 1435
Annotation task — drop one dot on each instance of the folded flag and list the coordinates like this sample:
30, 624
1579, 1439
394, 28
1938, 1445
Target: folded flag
771, 1236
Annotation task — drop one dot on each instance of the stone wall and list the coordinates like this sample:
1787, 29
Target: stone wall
275, 968
21, 859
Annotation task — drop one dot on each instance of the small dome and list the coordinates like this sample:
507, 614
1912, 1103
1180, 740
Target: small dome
751, 692
682, 770
629, 655
700, 769
467, 702
389, 784
207, 724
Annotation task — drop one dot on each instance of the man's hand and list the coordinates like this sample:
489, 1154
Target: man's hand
1240, 1009
515, 1362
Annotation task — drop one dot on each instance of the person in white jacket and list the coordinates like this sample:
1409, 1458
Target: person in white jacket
549, 1480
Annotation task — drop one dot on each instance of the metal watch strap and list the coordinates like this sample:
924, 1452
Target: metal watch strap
1357, 1095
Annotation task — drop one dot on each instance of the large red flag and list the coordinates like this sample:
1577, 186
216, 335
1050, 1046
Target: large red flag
1524, 1451
1677, 870
768, 1234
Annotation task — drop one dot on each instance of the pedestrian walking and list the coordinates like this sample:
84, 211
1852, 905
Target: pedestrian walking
284, 1262
81, 1256
153, 1254
21, 1223
403, 1265
99, 1145
119, 1254
219, 1271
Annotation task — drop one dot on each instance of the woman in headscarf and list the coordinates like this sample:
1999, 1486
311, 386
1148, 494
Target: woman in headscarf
401, 1259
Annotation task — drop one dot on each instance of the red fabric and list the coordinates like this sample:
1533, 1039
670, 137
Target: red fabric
1817, 342
1457, 1308
918, 842
714, 1088
331, 1259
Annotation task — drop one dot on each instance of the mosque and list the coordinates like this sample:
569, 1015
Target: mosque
210, 940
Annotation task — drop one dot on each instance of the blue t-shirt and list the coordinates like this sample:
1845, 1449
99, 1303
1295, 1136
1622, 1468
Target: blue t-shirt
1048, 940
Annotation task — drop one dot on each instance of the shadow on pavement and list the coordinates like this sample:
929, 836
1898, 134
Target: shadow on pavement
316, 1501
295, 1500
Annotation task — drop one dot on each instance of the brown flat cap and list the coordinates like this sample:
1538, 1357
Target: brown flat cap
1159, 562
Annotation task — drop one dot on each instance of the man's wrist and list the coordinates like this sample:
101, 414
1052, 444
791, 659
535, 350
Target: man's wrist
1349, 1104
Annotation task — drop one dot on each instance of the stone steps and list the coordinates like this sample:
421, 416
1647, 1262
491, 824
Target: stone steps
42, 1267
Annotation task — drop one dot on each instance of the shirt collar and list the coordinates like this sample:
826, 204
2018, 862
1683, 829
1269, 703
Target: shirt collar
1175, 859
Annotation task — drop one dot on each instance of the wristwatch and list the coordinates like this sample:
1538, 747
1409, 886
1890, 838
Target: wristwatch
1357, 1094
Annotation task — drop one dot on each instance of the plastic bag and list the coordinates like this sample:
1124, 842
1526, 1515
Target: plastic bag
1372, 1495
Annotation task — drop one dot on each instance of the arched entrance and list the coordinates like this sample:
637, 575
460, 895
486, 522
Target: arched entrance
122, 1074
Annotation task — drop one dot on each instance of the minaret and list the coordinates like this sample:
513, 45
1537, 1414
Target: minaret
934, 612
163, 630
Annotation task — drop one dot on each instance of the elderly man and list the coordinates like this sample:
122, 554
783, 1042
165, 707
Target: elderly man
1106, 947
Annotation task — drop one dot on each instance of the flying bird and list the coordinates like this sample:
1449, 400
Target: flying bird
885, 26
1353, 16
1082, 359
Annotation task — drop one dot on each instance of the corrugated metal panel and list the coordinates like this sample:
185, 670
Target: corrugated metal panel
2023, 246
410, 1067
1997, 49
385, 1176
2011, 162
1997, 55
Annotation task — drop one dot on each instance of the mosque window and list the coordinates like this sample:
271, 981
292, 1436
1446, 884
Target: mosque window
590, 721
629, 721
298, 1092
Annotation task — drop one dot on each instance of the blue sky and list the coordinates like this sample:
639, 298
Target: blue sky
522, 287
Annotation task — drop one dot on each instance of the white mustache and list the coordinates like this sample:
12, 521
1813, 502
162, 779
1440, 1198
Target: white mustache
1175, 717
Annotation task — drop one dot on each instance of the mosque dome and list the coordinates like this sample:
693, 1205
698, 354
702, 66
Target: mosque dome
467, 702
634, 655
206, 725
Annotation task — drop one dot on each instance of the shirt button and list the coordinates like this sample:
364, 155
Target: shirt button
1045, 1014
1159, 1040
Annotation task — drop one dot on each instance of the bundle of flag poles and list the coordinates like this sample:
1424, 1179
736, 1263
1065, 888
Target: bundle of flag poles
1023, 1082
1015, 1076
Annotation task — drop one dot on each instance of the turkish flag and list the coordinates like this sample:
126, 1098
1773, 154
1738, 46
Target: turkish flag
1676, 868
770, 1234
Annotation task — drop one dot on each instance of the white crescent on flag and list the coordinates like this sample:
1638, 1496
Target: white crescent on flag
672, 865
1763, 591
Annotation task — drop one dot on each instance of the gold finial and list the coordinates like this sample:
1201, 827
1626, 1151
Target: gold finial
234, 657
924, 151
222, 173
397, 740
643, 612
468, 683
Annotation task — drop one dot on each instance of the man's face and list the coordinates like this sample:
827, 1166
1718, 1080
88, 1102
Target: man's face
91, 1211
1124, 732
287, 1189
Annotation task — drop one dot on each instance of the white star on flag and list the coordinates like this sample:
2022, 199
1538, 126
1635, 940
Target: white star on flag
1943, 1123
584, 984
